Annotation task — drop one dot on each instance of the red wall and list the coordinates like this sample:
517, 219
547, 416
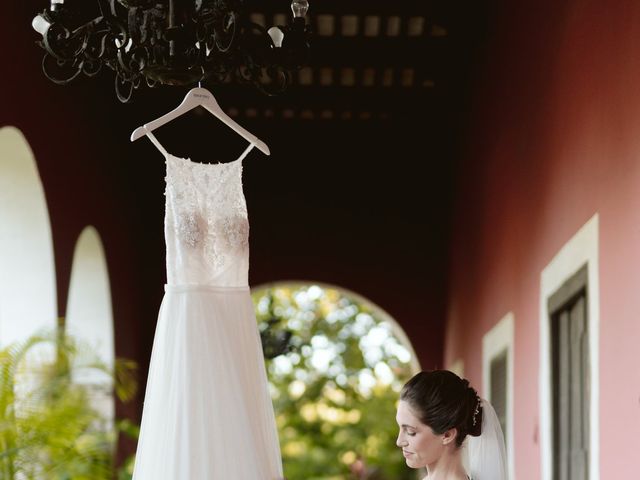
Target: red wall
556, 139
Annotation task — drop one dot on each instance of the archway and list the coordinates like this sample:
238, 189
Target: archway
89, 317
27, 269
335, 388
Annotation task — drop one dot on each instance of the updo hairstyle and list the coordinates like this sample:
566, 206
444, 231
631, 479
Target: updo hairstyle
443, 401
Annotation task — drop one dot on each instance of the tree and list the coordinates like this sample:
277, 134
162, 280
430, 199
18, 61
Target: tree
336, 387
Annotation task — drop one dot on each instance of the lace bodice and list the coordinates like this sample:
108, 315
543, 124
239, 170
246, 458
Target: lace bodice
206, 224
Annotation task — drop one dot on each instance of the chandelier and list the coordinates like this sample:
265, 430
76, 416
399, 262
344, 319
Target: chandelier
171, 42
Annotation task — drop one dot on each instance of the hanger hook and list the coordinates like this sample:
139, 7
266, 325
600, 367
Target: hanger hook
201, 77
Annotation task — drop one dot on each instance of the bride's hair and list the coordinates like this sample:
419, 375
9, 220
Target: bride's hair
443, 401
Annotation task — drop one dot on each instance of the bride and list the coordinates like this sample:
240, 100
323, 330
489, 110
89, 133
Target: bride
437, 411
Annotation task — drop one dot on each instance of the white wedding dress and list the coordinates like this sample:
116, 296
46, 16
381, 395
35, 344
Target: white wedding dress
207, 410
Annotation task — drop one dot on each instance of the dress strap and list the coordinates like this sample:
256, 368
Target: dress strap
246, 152
155, 141
159, 146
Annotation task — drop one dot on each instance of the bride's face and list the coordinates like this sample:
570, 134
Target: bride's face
420, 446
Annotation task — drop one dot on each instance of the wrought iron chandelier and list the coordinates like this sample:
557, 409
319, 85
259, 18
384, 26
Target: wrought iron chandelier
171, 42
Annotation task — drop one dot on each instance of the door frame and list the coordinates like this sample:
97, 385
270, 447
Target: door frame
580, 250
495, 342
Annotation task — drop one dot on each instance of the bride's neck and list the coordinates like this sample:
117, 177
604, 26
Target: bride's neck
447, 467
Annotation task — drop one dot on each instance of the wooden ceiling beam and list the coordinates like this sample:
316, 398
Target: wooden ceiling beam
375, 99
348, 7
378, 52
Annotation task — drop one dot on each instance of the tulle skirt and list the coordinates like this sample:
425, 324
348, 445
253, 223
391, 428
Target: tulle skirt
207, 411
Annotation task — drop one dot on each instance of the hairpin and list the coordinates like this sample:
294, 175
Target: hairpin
476, 411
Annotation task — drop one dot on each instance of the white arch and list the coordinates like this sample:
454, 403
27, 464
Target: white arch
379, 312
89, 315
27, 269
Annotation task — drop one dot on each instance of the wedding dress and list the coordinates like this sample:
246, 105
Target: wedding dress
207, 412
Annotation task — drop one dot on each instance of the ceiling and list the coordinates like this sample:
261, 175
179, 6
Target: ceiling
372, 60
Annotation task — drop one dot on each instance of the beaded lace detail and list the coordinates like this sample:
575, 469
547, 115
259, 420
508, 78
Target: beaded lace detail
207, 212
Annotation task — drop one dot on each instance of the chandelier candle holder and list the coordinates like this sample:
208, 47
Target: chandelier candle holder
171, 42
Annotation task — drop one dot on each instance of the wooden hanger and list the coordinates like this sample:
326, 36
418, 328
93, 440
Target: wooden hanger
194, 98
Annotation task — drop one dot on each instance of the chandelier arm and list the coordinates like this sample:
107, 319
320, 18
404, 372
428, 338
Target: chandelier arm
100, 49
114, 23
226, 46
91, 67
105, 7
63, 44
48, 42
138, 59
280, 81
124, 97
219, 72
172, 14
77, 65
123, 63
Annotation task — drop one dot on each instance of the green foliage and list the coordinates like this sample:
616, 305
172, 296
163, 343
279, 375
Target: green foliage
131, 430
335, 390
48, 425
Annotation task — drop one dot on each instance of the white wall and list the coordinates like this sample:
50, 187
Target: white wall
27, 269
89, 316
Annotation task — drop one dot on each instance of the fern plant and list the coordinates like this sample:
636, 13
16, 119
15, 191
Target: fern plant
49, 426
